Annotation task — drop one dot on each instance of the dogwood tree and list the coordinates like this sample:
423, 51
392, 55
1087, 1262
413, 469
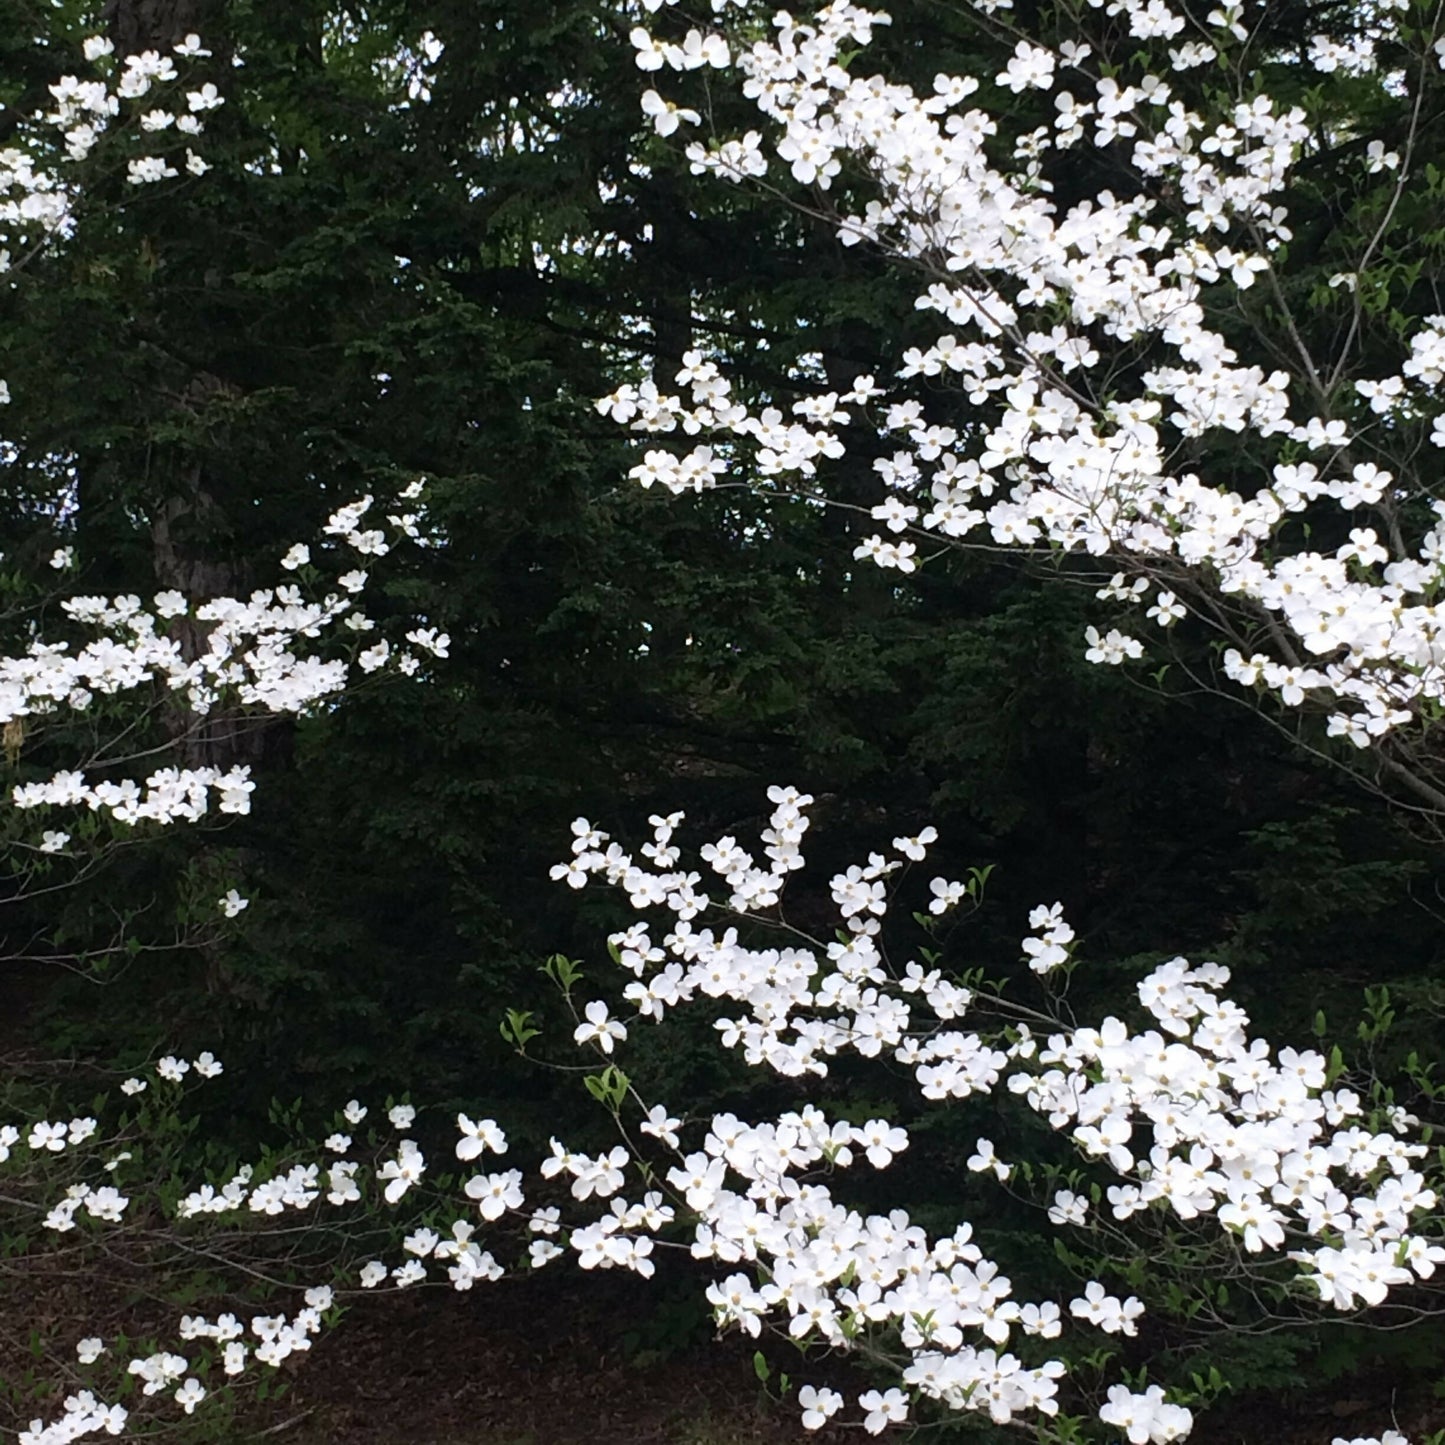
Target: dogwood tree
1106, 390
1140, 372
150, 695
1177, 370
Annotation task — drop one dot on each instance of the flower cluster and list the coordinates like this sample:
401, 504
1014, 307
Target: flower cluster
1194, 1116
38, 199
1046, 308
37, 1155
1147, 1417
275, 1339
253, 652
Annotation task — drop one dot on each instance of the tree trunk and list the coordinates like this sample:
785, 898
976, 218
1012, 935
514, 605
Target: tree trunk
190, 535
137, 25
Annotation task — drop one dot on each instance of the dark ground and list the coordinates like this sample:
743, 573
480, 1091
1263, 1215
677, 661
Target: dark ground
525, 1367
557, 1359
522, 1366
